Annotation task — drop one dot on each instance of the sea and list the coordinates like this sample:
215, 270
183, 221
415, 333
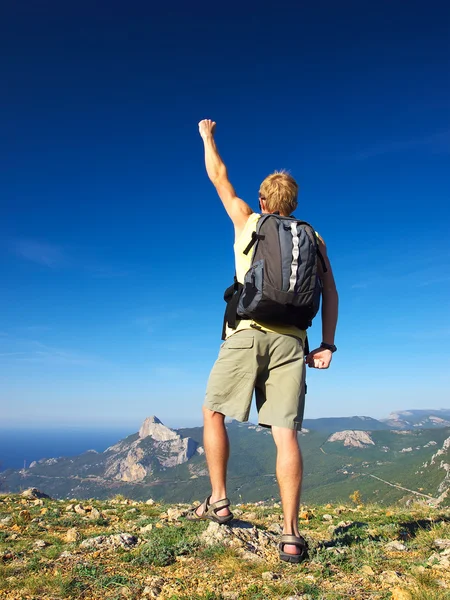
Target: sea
19, 447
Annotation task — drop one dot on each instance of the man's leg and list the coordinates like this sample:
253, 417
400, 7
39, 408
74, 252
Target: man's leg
289, 476
217, 450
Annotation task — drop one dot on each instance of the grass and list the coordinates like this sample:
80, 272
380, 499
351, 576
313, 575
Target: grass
164, 545
175, 552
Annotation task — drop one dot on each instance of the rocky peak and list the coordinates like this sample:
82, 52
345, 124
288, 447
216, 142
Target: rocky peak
156, 445
356, 439
153, 427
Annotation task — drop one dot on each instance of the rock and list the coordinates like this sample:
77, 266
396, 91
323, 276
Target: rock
128, 461
72, 535
65, 554
249, 516
433, 558
339, 510
269, 576
355, 439
344, 524
327, 518
441, 543
215, 533
418, 569
38, 502
103, 542
390, 577
34, 493
131, 511
146, 528
154, 587
395, 546
337, 550
400, 594
150, 501
79, 509
275, 528
40, 544
250, 542
173, 514
230, 595
153, 427
443, 563
367, 570
95, 514
305, 515
69, 508
6, 521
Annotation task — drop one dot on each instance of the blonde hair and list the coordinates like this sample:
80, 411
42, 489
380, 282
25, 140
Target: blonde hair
279, 192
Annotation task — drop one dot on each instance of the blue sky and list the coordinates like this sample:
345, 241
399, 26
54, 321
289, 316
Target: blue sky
114, 248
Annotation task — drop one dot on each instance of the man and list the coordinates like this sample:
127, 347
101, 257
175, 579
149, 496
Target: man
267, 359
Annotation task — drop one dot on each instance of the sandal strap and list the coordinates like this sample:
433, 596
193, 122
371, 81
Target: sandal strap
219, 505
293, 540
204, 506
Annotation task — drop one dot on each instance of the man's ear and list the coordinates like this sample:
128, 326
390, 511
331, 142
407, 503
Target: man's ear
262, 205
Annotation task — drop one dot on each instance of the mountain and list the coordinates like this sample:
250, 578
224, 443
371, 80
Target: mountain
166, 464
333, 424
407, 419
424, 419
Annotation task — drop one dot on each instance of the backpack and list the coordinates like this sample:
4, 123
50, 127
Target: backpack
282, 285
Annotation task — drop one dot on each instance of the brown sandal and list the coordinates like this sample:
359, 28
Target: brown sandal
293, 540
210, 511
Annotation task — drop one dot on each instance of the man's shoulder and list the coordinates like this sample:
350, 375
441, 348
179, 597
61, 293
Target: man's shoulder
249, 224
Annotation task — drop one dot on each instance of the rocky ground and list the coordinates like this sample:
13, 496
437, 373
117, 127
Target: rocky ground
116, 549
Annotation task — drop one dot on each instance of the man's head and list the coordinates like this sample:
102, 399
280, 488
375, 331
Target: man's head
278, 193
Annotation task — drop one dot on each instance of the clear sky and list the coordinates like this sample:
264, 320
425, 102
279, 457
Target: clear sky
115, 250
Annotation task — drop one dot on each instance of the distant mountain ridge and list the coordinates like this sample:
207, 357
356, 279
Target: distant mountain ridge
424, 419
407, 419
383, 464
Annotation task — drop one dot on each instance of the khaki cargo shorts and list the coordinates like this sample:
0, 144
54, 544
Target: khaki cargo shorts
272, 365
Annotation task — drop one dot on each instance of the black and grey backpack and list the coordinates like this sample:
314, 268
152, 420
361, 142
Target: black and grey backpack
282, 285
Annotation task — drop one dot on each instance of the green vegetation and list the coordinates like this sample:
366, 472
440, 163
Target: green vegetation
333, 470
44, 555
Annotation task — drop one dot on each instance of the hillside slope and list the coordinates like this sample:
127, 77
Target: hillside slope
384, 465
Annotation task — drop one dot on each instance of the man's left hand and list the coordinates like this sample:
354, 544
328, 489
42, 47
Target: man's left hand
319, 358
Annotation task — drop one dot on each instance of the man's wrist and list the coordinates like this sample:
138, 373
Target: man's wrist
330, 347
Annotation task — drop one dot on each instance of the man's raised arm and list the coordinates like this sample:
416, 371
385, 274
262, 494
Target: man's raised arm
237, 209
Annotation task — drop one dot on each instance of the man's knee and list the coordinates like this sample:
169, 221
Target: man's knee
284, 437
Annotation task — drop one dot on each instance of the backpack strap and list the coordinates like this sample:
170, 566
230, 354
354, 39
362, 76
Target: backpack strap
231, 296
255, 238
322, 261
305, 354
